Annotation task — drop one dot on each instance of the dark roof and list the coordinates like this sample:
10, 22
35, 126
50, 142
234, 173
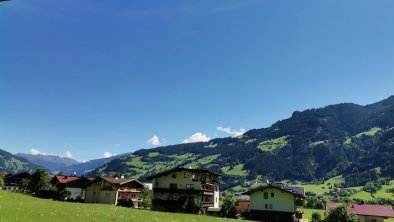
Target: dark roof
366, 209
116, 181
243, 198
296, 191
181, 169
71, 181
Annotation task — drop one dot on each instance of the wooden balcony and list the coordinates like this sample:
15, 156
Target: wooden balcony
181, 191
207, 204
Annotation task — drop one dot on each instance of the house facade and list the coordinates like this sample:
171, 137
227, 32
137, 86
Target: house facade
72, 183
183, 183
275, 202
366, 212
117, 191
243, 202
12, 182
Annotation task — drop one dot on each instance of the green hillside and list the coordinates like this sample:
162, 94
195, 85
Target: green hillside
13, 164
311, 146
20, 207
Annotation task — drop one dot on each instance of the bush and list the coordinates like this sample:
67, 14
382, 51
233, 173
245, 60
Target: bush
146, 198
316, 217
229, 207
340, 214
65, 195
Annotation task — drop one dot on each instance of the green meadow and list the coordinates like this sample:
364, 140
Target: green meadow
21, 207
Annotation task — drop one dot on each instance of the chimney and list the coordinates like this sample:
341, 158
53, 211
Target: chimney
122, 177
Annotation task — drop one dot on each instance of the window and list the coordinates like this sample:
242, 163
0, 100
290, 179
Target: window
216, 200
157, 183
270, 206
186, 175
266, 206
173, 186
265, 196
272, 194
190, 186
174, 175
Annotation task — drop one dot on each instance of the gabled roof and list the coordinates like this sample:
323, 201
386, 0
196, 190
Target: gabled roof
115, 181
65, 179
385, 211
69, 179
165, 173
296, 191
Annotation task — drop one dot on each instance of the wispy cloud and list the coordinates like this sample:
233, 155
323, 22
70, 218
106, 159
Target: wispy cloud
68, 154
197, 137
230, 131
108, 154
154, 140
34, 151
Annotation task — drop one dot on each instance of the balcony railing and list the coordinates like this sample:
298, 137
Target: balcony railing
184, 191
208, 204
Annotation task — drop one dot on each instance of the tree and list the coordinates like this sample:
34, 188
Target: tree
146, 198
191, 205
24, 184
341, 214
229, 205
40, 180
65, 194
370, 188
316, 217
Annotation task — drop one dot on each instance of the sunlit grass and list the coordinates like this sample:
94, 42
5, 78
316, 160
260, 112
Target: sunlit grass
21, 207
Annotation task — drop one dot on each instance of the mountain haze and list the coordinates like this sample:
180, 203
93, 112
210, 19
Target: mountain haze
51, 162
344, 139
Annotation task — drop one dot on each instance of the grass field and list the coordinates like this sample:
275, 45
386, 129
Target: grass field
320, 189
308, 213
21, 207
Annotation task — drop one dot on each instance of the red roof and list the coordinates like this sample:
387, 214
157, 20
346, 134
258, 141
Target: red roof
366, 209
68, 179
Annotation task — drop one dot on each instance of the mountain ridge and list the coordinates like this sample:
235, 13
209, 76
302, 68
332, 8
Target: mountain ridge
314, 143
13, 164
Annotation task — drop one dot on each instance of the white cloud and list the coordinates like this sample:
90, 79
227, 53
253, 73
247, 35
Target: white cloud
68, 154
154, 140
108, 154
34, 151
230, 131
197, 137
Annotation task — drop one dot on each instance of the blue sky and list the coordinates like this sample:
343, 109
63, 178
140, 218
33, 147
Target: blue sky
105, 77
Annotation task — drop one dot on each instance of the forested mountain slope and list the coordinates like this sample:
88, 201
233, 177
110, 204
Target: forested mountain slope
344, 139
13, 164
